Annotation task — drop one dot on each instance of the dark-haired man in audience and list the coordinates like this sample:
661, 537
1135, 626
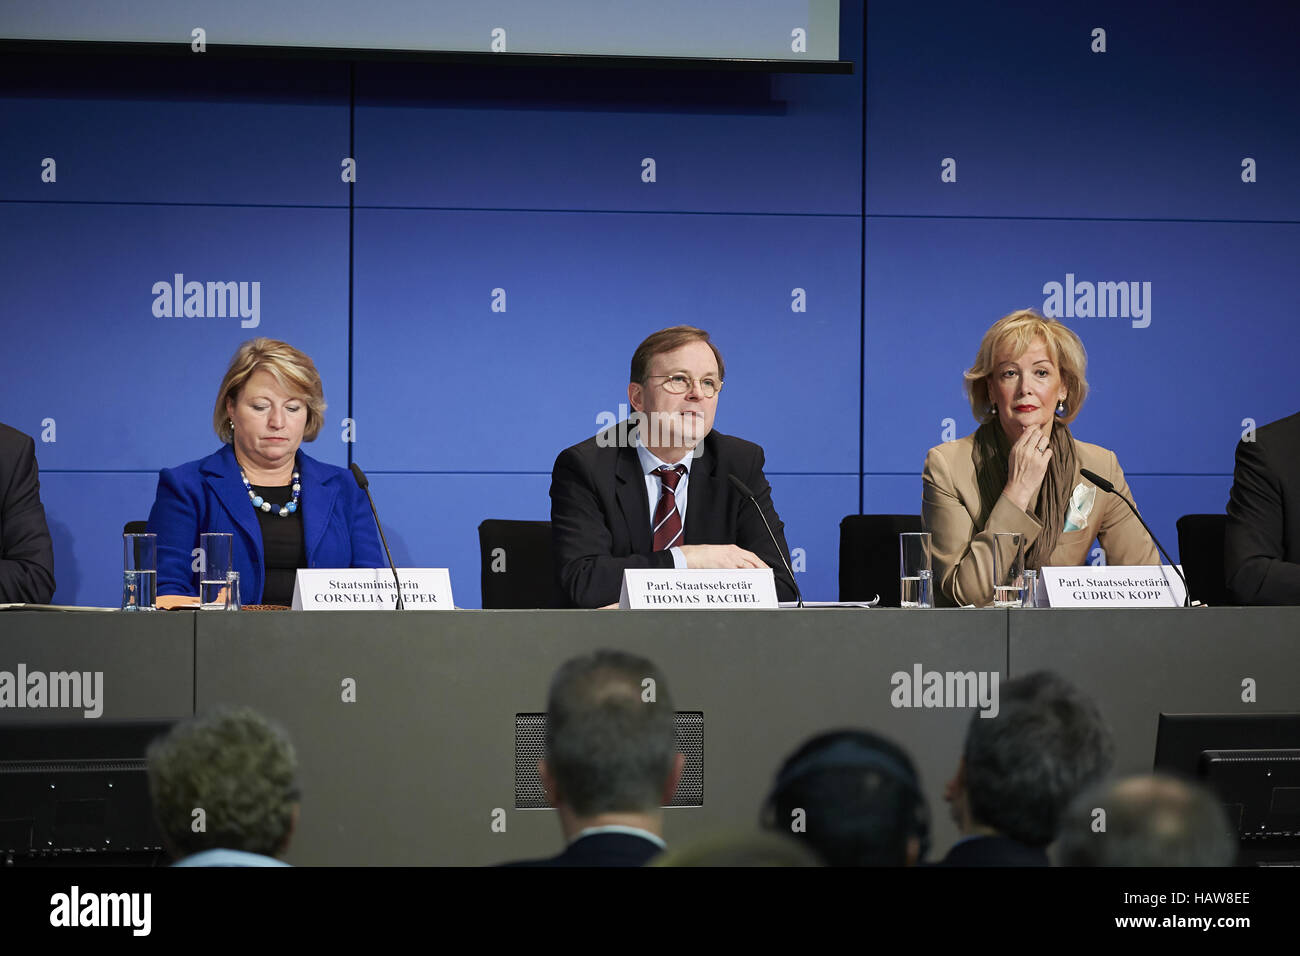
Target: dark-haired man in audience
611, 759
854, 798
225, 791
1150, 820
1020, 769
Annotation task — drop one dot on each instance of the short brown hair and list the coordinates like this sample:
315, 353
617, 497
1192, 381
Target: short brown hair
293, 371
1018, 331
666, 340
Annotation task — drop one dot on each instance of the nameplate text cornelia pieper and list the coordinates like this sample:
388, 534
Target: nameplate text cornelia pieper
371, 589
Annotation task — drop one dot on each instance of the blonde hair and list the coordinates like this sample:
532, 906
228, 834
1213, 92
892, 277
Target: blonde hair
292, 370
1016, 333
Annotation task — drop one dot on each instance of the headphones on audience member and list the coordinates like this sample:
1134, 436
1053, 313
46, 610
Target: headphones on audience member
855, 750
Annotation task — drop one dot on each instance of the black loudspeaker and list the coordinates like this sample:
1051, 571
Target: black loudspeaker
530, 747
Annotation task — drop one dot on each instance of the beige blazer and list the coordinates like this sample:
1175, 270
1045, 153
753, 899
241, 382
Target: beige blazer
963, 553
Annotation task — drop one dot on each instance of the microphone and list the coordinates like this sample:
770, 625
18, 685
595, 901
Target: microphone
364, 484
1106, 486
741, 487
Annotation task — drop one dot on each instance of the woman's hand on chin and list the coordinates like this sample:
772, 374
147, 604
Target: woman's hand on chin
1027, 465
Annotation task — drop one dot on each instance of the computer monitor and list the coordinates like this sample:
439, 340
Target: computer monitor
1252, 761
77, 794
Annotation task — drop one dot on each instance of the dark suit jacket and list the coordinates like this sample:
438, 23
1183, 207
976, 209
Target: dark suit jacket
26, 552
602, 849
600, 515
208, 495
1261, 543
994, 851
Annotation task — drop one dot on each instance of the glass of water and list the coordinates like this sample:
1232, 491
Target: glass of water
139, 572
216, 561
1031, 589
915, 574
231, 602
1008, 569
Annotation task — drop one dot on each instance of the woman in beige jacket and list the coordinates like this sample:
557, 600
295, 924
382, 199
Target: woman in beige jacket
1019, 471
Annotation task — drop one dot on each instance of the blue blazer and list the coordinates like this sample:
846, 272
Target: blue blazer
208, 495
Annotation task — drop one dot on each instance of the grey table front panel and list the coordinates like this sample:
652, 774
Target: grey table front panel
1138, 663
147, 660
412, 771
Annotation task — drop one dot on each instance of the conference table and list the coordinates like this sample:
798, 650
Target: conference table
412, 728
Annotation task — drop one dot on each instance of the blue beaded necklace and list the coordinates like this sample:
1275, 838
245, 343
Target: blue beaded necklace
262, 505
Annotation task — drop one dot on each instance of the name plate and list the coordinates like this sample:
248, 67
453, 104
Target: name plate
371, 589
1113, 586
696, 588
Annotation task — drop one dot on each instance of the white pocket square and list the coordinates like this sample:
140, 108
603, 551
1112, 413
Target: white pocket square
1076, 517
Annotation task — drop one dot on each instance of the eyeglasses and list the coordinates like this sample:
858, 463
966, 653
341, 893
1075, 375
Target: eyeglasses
680, 383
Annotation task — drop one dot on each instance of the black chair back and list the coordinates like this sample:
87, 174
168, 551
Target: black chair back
1200, 550
869, 556
518, 567
136, 527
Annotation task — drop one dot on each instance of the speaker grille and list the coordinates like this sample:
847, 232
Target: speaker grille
530, 747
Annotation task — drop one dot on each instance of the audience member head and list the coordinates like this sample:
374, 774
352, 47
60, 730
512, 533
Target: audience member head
854, 798
610, 750
1021, 768
740, 849
1146, 820
237, 768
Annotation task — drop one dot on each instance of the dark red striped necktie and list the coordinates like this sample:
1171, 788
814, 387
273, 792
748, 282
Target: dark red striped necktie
667, 522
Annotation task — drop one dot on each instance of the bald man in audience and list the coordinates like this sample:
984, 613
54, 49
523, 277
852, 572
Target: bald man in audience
1147, 820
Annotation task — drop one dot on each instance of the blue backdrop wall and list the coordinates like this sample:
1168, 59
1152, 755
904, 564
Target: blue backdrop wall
975, 157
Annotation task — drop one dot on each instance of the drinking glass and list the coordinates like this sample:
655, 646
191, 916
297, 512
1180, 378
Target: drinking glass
1031, 588
139, 572
216, 558
915, 573
232, 591
1008, 569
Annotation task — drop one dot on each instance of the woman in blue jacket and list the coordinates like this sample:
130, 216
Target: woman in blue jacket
285, 509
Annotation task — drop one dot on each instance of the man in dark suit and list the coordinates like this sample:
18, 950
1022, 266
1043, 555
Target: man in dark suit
26, 552
653, 492
611, 759
1262, 540
1021, 768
